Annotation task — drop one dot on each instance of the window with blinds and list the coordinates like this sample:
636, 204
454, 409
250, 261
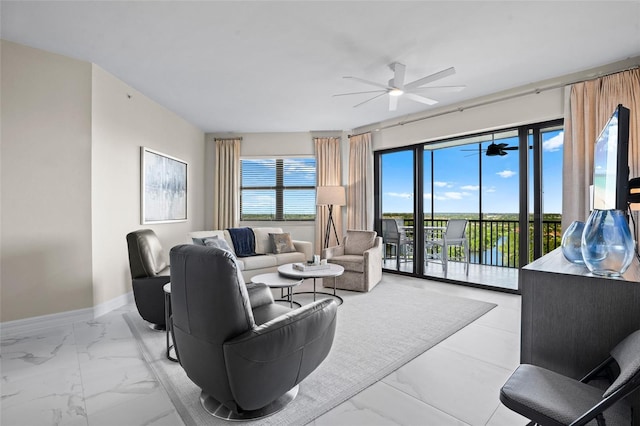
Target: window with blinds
278, 189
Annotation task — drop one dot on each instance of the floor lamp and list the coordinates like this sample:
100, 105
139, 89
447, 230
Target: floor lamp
330, 196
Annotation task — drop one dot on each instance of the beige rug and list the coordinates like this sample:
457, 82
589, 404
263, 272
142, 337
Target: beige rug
377, 333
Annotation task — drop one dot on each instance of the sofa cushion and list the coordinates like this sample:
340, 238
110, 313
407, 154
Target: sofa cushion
350, 262
293, 257
282, 243
263, 242
258, 262
216, 242
204, 234
357, 242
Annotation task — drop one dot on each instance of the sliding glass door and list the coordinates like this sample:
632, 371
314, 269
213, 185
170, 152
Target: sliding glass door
396, 172
494, 181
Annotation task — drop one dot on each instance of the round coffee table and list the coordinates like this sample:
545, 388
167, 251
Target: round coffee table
275, 280
333, 270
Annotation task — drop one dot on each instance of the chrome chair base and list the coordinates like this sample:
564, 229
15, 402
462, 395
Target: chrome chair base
219, 411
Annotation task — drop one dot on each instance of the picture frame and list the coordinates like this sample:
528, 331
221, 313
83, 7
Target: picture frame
163, 187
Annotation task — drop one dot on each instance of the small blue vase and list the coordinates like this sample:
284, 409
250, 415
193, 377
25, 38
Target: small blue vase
607, 245
572, 243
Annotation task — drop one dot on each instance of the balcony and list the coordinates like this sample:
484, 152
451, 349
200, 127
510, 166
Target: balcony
493, 248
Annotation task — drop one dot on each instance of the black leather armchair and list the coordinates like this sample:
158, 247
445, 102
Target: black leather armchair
244, 351
149, 273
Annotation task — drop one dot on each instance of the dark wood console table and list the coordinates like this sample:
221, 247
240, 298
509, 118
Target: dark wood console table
571, 319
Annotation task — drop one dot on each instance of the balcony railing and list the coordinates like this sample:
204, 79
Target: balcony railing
495, 242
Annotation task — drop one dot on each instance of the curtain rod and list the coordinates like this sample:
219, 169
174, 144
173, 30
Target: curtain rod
501, 99
359, 134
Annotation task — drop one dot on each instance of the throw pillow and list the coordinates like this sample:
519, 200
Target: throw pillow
282, 243
216, 242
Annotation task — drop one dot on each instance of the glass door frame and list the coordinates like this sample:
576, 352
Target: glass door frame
525, 168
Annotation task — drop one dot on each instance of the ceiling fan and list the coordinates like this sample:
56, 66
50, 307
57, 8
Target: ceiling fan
495, 149
396, 87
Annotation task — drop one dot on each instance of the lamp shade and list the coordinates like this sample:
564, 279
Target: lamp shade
330, 195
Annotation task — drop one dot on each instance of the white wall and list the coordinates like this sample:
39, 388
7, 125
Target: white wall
46, 183
123, 120
528, 109
70, 169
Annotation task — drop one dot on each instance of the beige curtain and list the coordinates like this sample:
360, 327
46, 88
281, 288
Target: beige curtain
226, 207
360, 186
329, 173
590, 106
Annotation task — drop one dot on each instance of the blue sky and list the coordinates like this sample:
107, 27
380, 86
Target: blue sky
457, 183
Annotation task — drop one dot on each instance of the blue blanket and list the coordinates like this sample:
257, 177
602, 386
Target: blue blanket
244, 242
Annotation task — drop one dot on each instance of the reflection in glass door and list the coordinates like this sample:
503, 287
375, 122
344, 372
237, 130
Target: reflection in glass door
397, 201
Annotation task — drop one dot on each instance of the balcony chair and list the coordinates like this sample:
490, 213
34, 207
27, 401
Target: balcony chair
244, 351
149, 273
453, 236
393, 234
361, 257
548, 398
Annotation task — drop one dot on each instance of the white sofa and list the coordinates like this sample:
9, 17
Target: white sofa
268, 261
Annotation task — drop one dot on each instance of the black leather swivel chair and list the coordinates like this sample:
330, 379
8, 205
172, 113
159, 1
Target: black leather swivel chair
244, 351
149, 273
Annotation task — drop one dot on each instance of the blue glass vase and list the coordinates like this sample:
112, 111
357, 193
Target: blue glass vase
572, 243
607, 245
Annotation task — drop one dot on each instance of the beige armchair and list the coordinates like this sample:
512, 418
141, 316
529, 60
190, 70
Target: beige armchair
361, 258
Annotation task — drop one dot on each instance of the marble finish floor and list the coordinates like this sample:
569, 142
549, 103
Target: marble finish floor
92, 373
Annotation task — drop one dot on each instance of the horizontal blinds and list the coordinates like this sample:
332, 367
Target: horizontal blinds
278, 189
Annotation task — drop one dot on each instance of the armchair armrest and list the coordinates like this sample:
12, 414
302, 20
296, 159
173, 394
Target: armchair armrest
275, 356
373, 262
259, 294
334, 251
304, 247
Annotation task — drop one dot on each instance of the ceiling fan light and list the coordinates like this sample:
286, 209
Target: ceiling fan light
395, 92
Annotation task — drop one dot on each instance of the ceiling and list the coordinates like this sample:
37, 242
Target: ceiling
274, 66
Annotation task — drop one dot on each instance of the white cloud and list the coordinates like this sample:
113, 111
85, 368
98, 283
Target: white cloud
440, 184
554, 144
405, 195
453, 195
506, 174
470, 187
491, 189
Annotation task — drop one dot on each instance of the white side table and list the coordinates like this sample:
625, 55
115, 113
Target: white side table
275, 280
332, 271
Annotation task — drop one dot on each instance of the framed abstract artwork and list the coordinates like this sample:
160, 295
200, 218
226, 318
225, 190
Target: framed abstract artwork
163, 188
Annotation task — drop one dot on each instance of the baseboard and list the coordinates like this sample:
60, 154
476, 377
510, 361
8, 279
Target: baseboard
113, 304
43, 322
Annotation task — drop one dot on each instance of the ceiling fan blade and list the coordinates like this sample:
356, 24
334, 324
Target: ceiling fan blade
510, 148
393, 103
428, 79
441, 89
420, 99
398, 74
370, 99
359, 93
372, 83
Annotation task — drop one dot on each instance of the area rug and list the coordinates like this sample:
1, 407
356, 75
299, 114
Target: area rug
376, 333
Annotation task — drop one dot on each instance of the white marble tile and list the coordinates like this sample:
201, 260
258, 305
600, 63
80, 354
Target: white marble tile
381, 404
499, 347
505, 417
461, 386
50, 398
503, 318
38, 353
